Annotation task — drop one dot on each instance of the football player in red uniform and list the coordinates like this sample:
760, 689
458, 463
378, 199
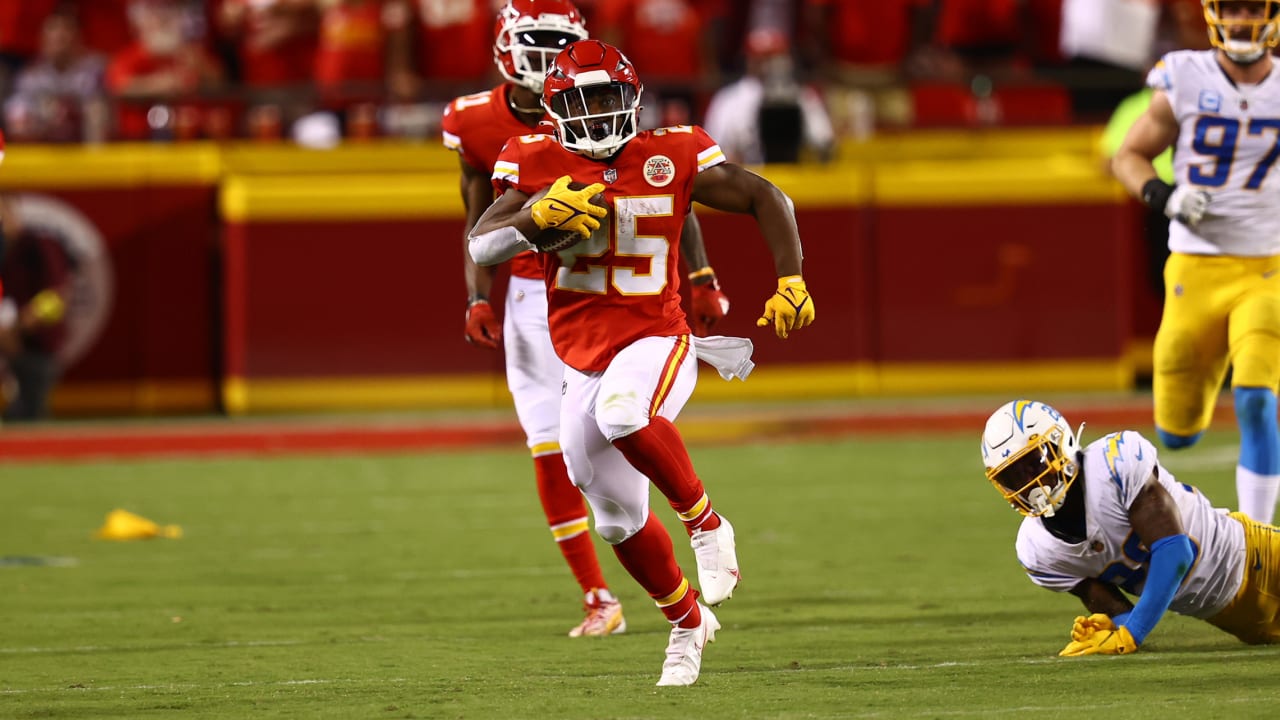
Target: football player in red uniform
615, 318
528, 35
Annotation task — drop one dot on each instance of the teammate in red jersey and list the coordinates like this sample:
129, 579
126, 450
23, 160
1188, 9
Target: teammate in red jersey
528, 34
615, 317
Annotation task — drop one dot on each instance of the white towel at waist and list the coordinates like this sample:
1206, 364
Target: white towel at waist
730, 356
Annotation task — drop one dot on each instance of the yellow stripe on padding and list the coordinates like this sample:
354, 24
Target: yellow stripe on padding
697, 509
674, 597
544, 448
674, 361
566, 530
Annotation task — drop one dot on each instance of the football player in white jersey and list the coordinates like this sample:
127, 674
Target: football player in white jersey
1109, 522
1220, 111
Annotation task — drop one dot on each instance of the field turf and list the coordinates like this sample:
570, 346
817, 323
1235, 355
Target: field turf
880, 582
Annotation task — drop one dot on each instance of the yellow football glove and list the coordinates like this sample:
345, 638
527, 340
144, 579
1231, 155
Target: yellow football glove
1102, 642
789, 309
1086, 626
570, 210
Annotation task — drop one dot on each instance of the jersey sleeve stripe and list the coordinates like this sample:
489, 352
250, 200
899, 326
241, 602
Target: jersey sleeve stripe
710, 157
451, 141
509, 171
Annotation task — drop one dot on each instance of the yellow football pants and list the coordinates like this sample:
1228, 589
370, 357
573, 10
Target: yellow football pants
1217, 310
1254, 614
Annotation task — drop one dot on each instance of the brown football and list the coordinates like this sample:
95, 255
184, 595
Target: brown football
551, 239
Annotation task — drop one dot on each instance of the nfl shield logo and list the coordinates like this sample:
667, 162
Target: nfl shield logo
610, 175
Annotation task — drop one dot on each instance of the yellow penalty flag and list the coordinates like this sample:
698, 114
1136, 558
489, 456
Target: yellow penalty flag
124, 525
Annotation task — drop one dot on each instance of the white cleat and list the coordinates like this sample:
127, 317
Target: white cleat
717, 562
684, 650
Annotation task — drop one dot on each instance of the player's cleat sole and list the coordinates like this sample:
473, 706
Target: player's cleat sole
716, 553
684, 651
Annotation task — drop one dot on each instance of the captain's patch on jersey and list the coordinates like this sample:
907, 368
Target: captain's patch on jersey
1210, 101
659, 171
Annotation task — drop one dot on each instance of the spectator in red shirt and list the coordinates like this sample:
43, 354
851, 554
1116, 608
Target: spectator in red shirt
974, 36
104, 24
668, 40
160, 67
275, 40
360, 42
862, 39
455, 42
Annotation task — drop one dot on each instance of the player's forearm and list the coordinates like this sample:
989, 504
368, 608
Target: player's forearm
479, 280
1171, 559
691, 245
502, 231
1133, 171
776, 215
1100, 597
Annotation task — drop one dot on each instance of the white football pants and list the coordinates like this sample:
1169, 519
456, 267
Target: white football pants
652, 376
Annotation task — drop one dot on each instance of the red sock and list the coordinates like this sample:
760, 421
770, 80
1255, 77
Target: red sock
658, 451
566, 512
651, 560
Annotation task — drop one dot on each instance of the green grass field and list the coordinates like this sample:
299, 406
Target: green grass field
880, 582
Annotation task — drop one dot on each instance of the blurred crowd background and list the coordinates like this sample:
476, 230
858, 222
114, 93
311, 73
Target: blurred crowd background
321, 71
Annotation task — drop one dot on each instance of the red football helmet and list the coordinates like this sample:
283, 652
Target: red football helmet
592, 93
528, 35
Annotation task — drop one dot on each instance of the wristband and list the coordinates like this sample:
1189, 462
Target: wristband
1155, 193
476, 300
703, 276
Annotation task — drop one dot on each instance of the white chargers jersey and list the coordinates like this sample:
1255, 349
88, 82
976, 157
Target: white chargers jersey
1228, 143
1115, 469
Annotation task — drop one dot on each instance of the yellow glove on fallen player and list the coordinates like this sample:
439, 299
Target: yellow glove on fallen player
1102, 642
1083, 627
570, 210
790, 308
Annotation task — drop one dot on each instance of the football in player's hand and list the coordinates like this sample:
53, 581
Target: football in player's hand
553, 239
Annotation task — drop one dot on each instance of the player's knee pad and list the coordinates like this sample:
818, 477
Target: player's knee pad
620, 414
1175, 351
614, 522
1177, 442
613, 534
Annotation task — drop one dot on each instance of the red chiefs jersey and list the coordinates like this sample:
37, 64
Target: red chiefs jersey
622, 284
477, 126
